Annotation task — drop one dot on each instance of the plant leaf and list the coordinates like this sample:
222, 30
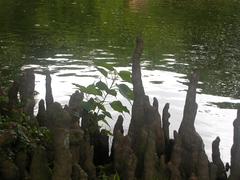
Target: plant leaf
101, 85
92, 89
89, 105
101, 106
126, 76
117, 106
125, 91
112, 92
102, 71
101, 116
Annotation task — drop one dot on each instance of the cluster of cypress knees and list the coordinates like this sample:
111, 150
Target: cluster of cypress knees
80, 151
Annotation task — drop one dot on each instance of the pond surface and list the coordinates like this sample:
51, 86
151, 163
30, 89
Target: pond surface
67, 36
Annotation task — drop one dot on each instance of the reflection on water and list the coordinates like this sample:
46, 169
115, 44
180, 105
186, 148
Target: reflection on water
137, 5
66, 37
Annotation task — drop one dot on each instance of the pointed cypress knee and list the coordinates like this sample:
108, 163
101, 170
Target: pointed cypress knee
168, 143
41, 115
125, 160
190, 108
165, 120
49, 97
138, 91
13, 94
62, 164
75, 108
136, 69
1, 90
27, 85
117, 128
235, 151
145, 120
221, 173
26, 90
188, 158
101, 148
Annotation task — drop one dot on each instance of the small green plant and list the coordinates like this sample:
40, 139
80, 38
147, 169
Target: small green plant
25, 134
105, 173
112, 177
116, 177
97, 94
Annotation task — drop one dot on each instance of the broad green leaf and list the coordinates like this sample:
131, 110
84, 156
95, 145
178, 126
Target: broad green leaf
117, 106
101, 116
101, 85
112, 92
92, 89
101, 106
90, 105
86, 106
125, 91
102, 71
126, 76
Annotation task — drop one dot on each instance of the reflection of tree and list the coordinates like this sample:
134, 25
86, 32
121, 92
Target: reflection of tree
137, 5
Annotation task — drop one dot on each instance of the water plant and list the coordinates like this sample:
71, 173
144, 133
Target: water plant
99, 95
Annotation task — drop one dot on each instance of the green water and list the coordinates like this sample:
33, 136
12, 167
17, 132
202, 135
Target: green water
179, 36
202, 35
